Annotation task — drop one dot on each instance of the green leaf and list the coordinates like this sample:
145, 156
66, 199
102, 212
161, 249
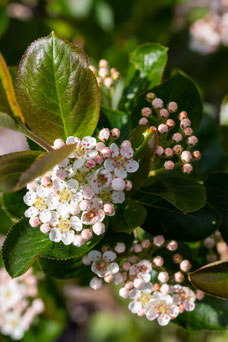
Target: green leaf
7, 121
8, 102
128, 216
183, 192
116, 118
24, 243
13, 204
209, 314
212, 279
144, 154
217, 194
56, 90
163, 218
178, 88
146, 66
19, 168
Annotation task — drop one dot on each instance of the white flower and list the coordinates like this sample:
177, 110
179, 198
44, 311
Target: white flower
103, 265
184, 297
95, 213
12, 326
121, 161
162, 308
102, 179
84, 150
141, 298
142, 270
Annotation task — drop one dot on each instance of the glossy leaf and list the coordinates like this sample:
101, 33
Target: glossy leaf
116, 118
183, 192
178, 88
128, 216
13, 204
8, 102
212, 279
56, 90
63, 269
7, 121
19, 168
24, 243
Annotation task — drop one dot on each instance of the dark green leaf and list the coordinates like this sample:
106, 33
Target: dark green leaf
212, 279
116, 118
24, 243
56, 90
19, 168
63, 269
128, 216
13, 204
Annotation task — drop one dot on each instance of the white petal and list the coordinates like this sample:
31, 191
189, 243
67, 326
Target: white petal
89, 141
29, 198
91, 154
163, 320
174, 311
127, 152
52, 201
113, 267
145, 277
55, 235
120, 172
118, 197
72, 140
109, 165
133, 294
45, 216
109, 256
78, 163
94, 255
151, 314
76, 223
147, 288
132, 166
115, 151
31, 212
72, 184
68, 237
135, 306
63, 210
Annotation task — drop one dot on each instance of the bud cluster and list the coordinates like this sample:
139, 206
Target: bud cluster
175, 142
19, 304
71, 201
105, 75
152, 290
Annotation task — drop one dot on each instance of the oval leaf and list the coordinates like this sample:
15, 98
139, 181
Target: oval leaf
212, 279
56, 90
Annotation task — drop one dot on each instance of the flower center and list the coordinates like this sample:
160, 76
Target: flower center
101, 265
64, 225
144, 298
40, 203
65, 195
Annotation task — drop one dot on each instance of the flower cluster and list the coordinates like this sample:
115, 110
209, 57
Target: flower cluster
152, 291
71, 201
19, 303
175, 143
105, 75
209, 32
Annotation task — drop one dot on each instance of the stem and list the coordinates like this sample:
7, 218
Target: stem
35, 138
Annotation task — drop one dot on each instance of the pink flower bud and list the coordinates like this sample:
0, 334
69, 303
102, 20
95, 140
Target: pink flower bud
103, 72
115, 133
86, 261
115, 75
38, 305
187, 168
128, 285
209, 242
156, 287
117, 278
162, 128
137, 248
169, 165
159, 151
118, 184
58, 143
177, 137
99, 159
123, 292
179, 277
177, 149
138, 282
172, 245
185, 123
78, 241
158, 261
177, 258
34, 221
158, 240
157, 103
145, 243
87, 234
106, 152
104, 134
84, 205
168, 152
170, 123
126, 266
99, 228
61, 174
192, 141
200, 294
146, 111
45, 228
163, 277
165, 289
88, 193
186, 156
196, 155
108, 208
103, 63
172, 107
46, 181
120, 247
100, 146
143, 122
128, 185
183, 115
108, 82
185, 265
163, 113
109, 278
150, 97
95, 283
188, 131
90, 163
126, 144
